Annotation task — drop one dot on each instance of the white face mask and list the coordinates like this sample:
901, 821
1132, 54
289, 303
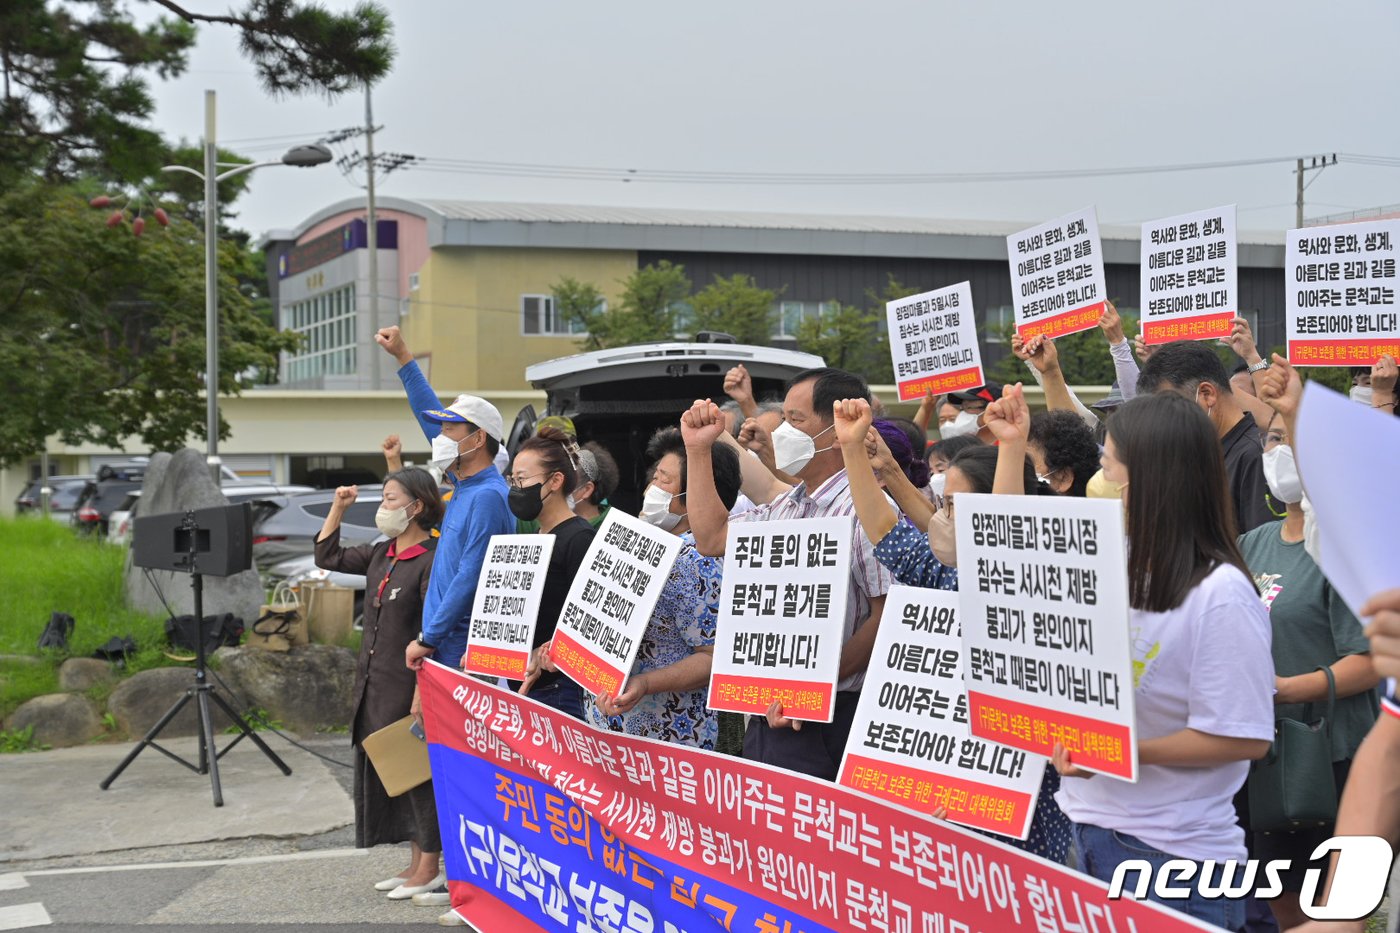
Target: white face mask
794, 449
1281, 473
936, 482
392, 522
569, 501
446, 451
964, 423
943, 538
656, 509
1361, 394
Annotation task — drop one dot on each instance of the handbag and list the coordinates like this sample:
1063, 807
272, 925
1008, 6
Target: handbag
281, 624
1293, 786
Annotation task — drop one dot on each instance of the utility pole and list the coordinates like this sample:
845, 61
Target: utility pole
372, 238
1318, 164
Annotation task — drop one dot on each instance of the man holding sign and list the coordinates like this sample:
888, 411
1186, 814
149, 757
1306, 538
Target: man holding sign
823, 492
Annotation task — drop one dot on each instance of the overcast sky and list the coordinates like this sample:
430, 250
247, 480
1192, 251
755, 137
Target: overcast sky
827, 86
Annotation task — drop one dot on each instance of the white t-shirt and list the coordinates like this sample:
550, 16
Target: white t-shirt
1205, 665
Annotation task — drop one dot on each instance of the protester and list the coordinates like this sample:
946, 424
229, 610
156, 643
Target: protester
928, 405
385, 691
1042, 358
1312, 628
823, 490
1192, 369
942, 452
466, 437
1203, 674
971, 404
543, 474
597, 480
1063, 450
909, 458
667, 691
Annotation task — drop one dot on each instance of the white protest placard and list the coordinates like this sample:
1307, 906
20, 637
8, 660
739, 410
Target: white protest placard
933, 342
1043, 587
1189, 273
507, 605
1340, 296
910, 742
1057, 282
1346, 456
610, 602
782, 615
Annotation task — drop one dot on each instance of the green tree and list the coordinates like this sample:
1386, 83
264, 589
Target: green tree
75, 95
854, 338
105, 331
735, 306
652, 299
581, 303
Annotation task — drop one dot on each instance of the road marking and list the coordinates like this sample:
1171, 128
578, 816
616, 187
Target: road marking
23, 916
12, 881
206, 863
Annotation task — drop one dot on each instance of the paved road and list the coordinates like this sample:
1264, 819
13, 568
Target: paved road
255, 879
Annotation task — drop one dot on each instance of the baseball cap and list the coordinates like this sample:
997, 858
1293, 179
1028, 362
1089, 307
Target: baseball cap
470, 408
1113, 399
984, 393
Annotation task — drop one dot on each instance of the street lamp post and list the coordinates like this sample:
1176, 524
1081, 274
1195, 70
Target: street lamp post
301, 156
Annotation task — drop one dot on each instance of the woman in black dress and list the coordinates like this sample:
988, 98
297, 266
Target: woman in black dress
396, 574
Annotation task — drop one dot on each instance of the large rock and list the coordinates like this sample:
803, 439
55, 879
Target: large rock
59, 719
177, 483
139, 701
308, 687
78, 674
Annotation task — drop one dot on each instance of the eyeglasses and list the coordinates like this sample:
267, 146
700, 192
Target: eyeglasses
517, 482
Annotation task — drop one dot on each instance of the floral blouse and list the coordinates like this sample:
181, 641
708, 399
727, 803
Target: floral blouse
905, 553
684, 619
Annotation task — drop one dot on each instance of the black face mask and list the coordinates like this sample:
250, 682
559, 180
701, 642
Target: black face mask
525, 502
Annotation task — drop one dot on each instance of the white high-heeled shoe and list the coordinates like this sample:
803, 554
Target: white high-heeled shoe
389, 884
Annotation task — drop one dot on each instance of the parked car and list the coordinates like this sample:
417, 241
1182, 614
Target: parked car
620, 397
99, 500
285, 526
63, 497
120, 521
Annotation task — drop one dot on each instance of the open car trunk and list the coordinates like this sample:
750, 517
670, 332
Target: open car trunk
619, 398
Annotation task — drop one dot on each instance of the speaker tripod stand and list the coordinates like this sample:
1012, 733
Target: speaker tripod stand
203, 693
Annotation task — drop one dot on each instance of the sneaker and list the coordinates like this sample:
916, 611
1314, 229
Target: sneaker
451, 919
437, 897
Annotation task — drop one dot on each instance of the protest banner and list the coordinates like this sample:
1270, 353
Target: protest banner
551, 825
1340, 294
610, 602
1189, 275
782, 613
933, 342
507, 605
910, 742
1043, 587
1057, 283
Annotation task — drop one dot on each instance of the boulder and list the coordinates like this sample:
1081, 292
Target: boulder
78, 674
307, 688
177, 483
139, 701
59, 719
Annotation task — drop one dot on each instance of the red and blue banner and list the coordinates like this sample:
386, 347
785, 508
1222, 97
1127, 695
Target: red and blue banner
550, 824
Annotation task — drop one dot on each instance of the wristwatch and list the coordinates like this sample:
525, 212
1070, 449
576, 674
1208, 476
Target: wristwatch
423, 643
1258, 367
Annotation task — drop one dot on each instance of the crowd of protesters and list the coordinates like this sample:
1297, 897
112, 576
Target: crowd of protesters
1233, 623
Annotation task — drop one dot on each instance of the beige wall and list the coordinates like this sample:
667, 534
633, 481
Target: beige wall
466, 312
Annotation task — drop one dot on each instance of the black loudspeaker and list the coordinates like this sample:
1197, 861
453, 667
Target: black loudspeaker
216, 542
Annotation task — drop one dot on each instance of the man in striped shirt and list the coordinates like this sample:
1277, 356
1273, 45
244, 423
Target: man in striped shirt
805, 447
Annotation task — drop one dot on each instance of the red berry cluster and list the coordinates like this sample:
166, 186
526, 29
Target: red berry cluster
138, 223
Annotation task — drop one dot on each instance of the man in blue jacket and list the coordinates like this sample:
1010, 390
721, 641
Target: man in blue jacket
466, 436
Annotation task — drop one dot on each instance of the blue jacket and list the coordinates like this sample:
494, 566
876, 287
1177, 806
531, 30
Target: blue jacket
476, 511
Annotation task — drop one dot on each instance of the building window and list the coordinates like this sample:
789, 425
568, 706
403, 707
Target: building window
538, 316
327, 325
792, 314
1001, 321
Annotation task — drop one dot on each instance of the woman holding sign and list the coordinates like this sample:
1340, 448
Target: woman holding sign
545, 471
1202, 669
927, 560
396, 572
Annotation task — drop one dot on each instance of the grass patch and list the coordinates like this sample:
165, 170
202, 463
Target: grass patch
46, 568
